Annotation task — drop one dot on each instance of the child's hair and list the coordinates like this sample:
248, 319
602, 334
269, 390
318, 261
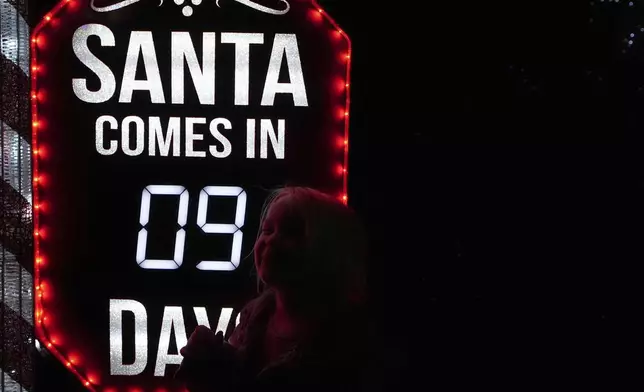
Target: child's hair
335, 243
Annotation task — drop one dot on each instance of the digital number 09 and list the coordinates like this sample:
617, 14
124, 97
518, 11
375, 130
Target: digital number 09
182, 217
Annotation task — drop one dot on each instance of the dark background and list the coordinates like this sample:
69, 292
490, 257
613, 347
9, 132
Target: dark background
495, 156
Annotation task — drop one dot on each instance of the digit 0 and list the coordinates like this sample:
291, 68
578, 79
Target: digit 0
144, 218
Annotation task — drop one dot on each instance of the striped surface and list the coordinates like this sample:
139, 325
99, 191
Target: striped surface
9, 384
16, 283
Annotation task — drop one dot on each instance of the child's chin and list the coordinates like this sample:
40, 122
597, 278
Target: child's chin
265, 275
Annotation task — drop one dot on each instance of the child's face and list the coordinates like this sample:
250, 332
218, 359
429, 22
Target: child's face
280, 246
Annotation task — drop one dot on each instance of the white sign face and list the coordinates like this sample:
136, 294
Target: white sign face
165, 128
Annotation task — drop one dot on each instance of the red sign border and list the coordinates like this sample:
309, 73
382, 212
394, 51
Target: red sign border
41, 287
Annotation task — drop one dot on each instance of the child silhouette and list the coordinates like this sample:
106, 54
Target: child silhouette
308, 329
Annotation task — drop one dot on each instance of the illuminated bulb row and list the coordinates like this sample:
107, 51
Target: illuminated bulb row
38, 206
345, 114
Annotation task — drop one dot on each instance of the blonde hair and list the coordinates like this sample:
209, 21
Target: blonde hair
335, 242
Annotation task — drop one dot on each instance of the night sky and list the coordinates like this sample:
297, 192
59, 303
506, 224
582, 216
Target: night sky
496, 156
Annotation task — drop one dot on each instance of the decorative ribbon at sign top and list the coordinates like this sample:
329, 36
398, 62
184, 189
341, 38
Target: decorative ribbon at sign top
249, 3
155, 139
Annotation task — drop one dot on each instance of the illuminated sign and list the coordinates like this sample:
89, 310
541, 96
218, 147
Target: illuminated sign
158, 132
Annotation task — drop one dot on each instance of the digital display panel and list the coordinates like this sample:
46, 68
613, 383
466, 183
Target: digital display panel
159, 130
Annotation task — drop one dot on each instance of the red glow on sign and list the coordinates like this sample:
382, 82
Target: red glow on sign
41, 152
341, 142
41, 232
39, 41
340, 85
316, 15
40, 179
